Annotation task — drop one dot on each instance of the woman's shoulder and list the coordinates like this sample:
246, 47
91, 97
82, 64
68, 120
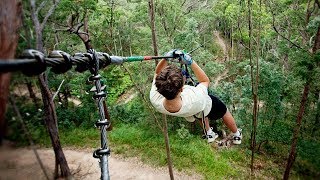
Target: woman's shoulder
196, 89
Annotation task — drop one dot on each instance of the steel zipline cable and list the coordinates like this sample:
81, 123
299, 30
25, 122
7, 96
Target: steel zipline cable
33, 62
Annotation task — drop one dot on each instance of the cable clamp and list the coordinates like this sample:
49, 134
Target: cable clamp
94, 77
100, 152
99, 95
103, 123
94, 89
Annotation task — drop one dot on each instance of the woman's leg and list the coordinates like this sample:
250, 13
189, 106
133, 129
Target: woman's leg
229, 121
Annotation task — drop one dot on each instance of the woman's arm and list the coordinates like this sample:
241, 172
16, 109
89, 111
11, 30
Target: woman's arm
200, 74
161, 65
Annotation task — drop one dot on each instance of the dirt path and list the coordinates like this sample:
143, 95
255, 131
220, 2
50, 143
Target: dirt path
22, 164
222, 44
220, 41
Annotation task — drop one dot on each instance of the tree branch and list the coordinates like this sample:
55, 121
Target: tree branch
241, 42
53, 7
276, 30
316, 46
55, 94
149, 107
40, 7
34, 16
75, 29
317, 2
184, 1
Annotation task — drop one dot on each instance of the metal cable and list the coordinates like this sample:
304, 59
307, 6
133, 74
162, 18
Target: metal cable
33, 62
103, 152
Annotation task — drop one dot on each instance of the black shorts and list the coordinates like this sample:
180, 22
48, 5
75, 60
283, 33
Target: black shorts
218, 109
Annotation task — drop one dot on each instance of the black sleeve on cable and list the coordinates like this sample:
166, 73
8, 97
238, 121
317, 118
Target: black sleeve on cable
107, 60
90, 64
81, 65
34, 62
63, 65
35, 68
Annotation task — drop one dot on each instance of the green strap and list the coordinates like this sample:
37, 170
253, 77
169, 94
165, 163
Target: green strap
134, 58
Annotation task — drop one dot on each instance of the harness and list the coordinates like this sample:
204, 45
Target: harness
190, 81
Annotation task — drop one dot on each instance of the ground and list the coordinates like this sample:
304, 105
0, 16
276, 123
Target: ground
21, 163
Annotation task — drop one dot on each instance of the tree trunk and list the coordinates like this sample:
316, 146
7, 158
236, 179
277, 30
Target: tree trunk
254, 89
165, 123
153, 27
32, 94
50, 120
166, 138
293, 153
317, 119
10, 20
49, 108
303, 102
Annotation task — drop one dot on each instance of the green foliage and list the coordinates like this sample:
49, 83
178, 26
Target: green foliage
74, 117
189, 35
183, 133
213, 69
131, 112
308, 153
117, 81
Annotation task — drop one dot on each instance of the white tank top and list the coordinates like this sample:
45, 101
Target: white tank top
194, 101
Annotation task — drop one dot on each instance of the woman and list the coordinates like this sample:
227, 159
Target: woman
169, 95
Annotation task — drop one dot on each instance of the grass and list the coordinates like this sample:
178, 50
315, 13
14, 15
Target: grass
189, 155
81, 138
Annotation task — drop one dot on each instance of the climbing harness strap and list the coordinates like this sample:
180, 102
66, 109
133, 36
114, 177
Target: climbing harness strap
204, 124
185, 72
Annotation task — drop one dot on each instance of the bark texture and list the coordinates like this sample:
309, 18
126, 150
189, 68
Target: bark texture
10, 22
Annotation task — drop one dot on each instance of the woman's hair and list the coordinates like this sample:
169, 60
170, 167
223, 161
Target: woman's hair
169, 82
